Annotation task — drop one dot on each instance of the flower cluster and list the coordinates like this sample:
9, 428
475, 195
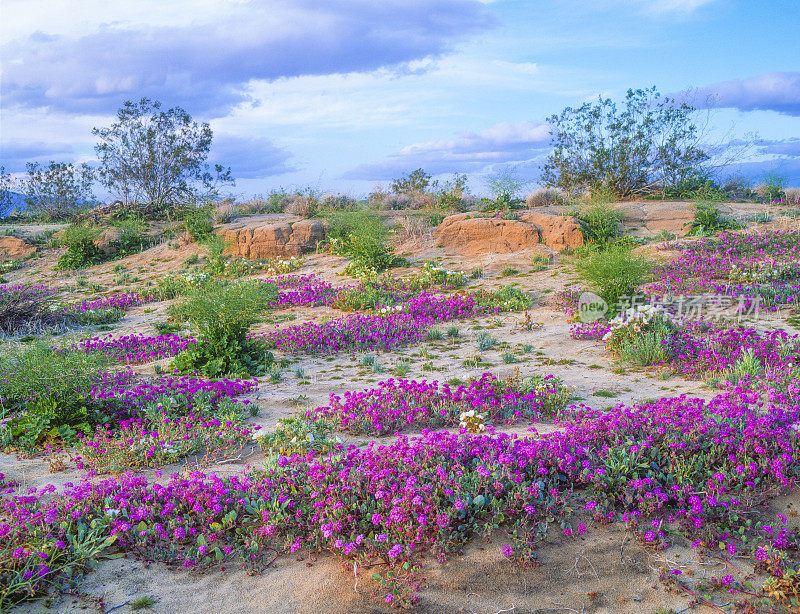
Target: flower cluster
137, 348
395, 405
670, 465
362, 332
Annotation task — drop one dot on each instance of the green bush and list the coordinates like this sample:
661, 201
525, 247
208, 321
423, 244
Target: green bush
508, 298
92, 317
81, 250
133, 238
222, 314
614, 273
600, 222
362, 237
199, 222
709, 219
39, 371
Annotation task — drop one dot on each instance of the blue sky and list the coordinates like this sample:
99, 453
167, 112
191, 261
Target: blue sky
341, 94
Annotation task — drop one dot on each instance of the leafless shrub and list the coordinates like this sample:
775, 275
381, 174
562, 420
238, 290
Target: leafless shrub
545, 197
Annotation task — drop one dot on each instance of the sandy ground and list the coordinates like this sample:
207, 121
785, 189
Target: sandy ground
606, 571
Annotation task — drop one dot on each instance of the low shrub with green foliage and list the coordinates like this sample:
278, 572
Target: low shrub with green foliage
508, 298
40, 371
79, 240
709, 219
600, 222
199, 222
614, 273
362, 237
222, 314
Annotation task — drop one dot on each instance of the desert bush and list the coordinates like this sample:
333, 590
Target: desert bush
81, 249
304, 204
225, 211
133, 236
773, 187
508, 298
545, 197
600, 222
199, 222
362, 237
650, 142
222, 314
27, 310
337, 202
41, 371
178, 173
57, 191
708, 218
614, 274
417, 181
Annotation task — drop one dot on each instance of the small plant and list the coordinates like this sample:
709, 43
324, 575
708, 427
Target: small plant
539, 263
508, 271
472, 421
402, 368
615, 273
191, 260
222, 314
143, 603
476, 273
199, 222
453, 332
509, 358
486, 342
81, 248
434, 334
600, 222
708, 219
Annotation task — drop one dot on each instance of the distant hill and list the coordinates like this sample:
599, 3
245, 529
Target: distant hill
17, 202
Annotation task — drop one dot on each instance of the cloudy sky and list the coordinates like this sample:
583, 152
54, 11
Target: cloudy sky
341, 94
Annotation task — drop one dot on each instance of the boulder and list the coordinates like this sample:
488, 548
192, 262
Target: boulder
108, 241
12, 248
278, 240
478, 235
557, 231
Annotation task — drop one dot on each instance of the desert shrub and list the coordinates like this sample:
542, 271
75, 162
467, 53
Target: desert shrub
222, 314
199, 222
27, 309
79, 239
305, 204
41, 371
432, 275
643, 335
600, 222
508, 298
627, 149
773, 187
417, 181
337, 202
709, 219
545, 197
614, 273
91, 317
133, 238
367, 295
362, 237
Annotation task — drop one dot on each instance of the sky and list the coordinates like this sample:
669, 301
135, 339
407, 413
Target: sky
343, 95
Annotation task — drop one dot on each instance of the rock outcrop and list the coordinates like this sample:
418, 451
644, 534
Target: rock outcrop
472, 234
108, 241
12, 248
279, 240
